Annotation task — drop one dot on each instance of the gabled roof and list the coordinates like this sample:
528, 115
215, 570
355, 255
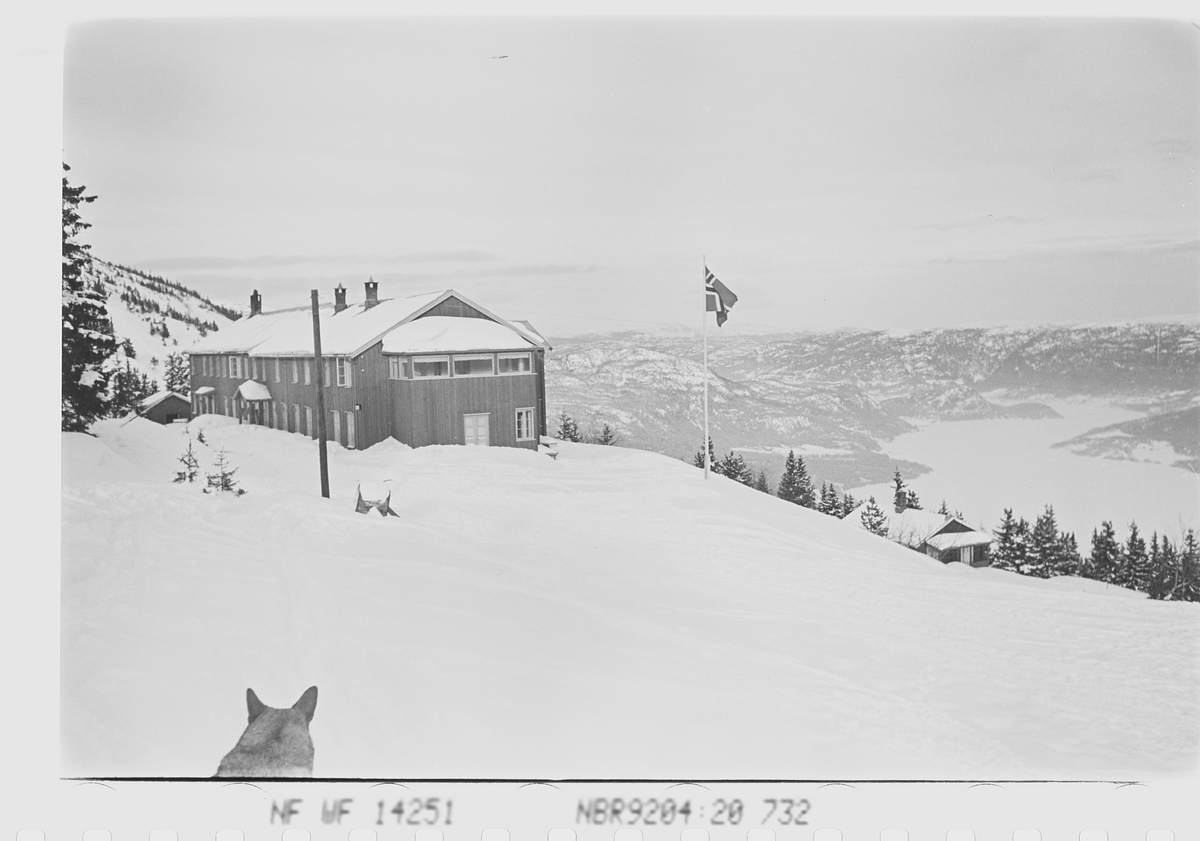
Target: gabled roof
443, 334
349, 332
914, 527
153, 400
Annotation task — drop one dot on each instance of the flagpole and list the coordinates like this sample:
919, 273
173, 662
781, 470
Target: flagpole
704, 331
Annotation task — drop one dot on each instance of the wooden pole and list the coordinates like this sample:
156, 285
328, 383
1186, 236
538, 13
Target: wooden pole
316, 309
704, 331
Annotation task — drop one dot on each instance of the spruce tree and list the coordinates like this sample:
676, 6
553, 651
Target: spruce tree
607, 437
698, 459
944, 511
760, 482
734, 466
848, 504
1188, 588
827, 502
911, 501
808, 495
873, 519
223, 479
1069, 560
789, 482
1105, 559
1167, 569
1005, 555
87, 333
191, 467
796, 485
129, 388
1042, 559
1135, 564
567, 428
177, 377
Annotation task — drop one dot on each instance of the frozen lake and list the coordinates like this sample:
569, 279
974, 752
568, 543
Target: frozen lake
982, 467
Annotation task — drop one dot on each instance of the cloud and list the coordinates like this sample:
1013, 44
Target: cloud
977, 222
300, 262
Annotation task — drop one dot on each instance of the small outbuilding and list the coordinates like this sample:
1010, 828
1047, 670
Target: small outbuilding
948, 539
165, 407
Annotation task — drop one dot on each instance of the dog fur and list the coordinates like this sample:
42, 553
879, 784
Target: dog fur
276, 742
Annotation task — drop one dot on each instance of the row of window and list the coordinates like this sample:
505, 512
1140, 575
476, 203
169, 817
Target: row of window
276, 415
459, 365
339, 369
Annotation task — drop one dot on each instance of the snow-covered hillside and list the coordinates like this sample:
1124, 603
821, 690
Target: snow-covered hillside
606, 614
157, 317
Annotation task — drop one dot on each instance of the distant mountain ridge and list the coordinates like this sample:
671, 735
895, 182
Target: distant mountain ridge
841, 394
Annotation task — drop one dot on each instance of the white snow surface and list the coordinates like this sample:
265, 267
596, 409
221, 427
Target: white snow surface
353, 329
609, 613
441, 334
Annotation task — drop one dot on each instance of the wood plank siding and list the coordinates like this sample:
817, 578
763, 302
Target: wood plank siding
430, 411
417, 412
455, 308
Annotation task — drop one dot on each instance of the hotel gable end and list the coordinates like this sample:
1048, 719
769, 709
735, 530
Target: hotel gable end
429, 369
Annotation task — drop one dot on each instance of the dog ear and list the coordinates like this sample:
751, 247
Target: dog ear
307, 703
255, 706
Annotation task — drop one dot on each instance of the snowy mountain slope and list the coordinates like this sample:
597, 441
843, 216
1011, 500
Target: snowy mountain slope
157, 316
606, 614
852, 390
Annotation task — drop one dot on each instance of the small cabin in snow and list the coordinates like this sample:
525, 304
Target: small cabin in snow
428, 369
948, 539
165, 407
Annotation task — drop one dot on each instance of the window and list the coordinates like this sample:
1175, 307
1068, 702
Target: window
308, 372
430, 366
350, 430
228, 407
337, 427
515, 363
525, 425
308, 422
295, 417
343, 372
295, 370
325, 378
398, 368
277, 379
966, 554
474, 365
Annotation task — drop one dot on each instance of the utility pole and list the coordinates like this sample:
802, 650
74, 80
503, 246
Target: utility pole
316, 309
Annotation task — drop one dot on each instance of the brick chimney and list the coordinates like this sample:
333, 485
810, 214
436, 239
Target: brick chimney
255, 303
372, 292
339, 298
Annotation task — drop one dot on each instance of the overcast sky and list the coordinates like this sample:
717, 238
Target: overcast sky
836, 172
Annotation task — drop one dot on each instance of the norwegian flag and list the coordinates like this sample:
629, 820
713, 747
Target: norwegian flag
719, 298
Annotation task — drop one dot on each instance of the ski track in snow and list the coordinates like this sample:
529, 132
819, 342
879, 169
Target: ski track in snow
606, 614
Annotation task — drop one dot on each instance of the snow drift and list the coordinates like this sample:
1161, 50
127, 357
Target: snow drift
608, 613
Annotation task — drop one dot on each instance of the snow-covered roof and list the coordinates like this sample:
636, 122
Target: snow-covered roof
914, 526
959, 539
348, 332
253, 390
154, 399
441, 334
